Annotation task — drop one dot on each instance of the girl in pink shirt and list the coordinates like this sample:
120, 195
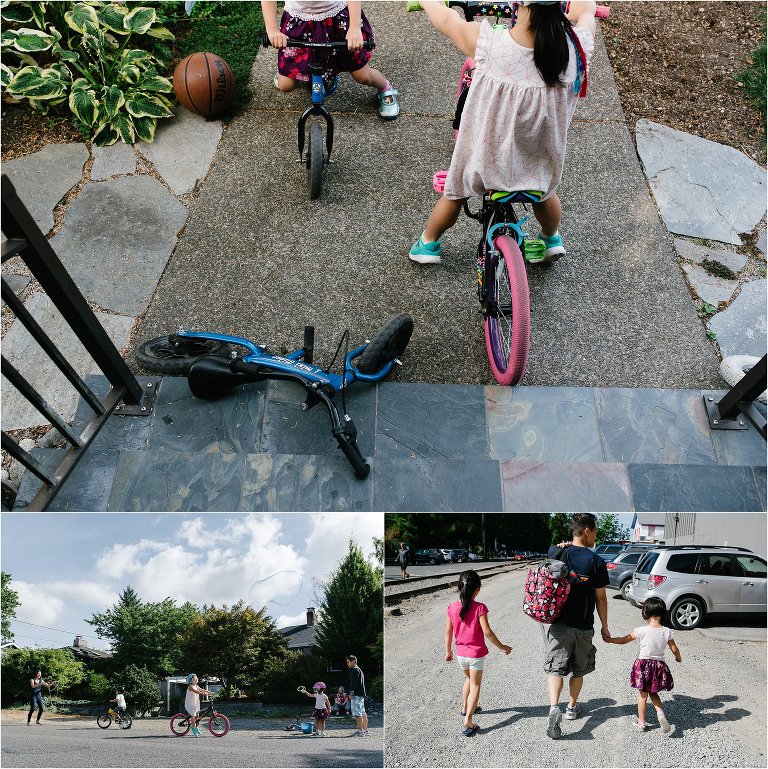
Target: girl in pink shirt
467, 623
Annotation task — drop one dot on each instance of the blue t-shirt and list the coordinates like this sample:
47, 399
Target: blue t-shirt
579, 608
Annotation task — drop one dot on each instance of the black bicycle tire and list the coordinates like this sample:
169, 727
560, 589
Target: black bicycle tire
126, 721
388, 343
146, 356
315, 160
108, 720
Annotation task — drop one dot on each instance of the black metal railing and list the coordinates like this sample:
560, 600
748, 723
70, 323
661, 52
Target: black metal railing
25, 240
737, 406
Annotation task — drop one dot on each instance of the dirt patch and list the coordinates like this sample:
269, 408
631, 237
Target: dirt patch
676, 63
26, 131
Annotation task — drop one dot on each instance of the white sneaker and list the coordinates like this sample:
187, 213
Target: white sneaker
553, 723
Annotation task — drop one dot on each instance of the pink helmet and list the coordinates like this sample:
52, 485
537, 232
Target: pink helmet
319, 685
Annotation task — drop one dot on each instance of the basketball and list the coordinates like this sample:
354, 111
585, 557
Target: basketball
204, 83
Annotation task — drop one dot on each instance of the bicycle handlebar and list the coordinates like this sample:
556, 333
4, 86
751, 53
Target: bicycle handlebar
474, 8
267, 43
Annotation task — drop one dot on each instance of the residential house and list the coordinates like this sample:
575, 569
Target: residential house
648, 527
302, 637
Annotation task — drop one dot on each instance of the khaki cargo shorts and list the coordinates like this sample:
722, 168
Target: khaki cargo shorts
568, 650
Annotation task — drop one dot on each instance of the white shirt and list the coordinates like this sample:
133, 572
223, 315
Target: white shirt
121, 701
314, 11
653, 642
320, 702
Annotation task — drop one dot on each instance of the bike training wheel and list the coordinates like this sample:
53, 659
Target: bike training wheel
180, 724
315, 160
388, 343
175, 355
218, 725
508, 335
126, 721
104, 721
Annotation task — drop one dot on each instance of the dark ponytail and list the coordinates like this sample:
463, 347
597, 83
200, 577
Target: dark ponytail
550, 51
469, 583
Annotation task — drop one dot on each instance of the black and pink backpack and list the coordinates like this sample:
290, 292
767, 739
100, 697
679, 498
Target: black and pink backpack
546, 590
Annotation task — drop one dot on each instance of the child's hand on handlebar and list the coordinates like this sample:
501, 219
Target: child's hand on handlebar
278, 39
355, 39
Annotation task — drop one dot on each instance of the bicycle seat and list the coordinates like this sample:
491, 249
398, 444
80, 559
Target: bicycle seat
516, 196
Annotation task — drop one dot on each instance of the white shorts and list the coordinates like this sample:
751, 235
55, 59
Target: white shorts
471, 663
358, 706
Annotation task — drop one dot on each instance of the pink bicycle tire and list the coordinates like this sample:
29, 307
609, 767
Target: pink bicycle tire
181, 731
218, 717
508, 358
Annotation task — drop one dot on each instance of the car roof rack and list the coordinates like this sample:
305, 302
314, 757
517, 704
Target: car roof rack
702, 547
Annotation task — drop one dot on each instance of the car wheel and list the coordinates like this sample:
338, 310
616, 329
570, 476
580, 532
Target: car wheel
432, 561
687, 613
624, 589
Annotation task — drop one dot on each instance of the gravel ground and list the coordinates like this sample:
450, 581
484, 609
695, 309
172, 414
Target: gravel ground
65, 741
717, 704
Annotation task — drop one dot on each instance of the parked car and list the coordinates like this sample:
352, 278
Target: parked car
473, 556
519, 555
455, 554
621, 568
609, 550
696, 580
429, 555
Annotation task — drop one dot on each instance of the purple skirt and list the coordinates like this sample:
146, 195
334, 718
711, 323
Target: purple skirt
651, 676
294, 62
320, 714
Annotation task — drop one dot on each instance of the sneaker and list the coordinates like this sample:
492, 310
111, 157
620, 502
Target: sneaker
426, 253
555, 248
389, 107
641, 726
572, 713
365, 732
332, 88
666, 727
553, 723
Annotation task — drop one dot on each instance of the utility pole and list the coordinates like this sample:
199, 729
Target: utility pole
482, 523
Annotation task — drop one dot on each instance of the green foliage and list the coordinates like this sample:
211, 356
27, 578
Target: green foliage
78, 53
608, 528
351, 614
98, 686
141, 690
231, 644
232, 31
753, 76
560, 528
281, 675
9, 602
145, 634
706, 310
19, 666
375, 689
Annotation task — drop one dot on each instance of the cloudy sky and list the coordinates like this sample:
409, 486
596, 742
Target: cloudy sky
66, 566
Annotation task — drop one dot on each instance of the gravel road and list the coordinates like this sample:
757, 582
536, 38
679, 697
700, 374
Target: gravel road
718, 704
65, 742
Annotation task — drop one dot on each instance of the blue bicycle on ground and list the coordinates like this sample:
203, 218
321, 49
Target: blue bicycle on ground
216, 363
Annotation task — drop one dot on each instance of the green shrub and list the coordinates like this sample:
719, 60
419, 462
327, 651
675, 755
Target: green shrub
754, 79
375, 689
58, 666
98, 686
280, 678
141, 691
78, 53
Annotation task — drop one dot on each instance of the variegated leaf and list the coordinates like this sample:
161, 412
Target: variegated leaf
105, 136
83, 104
8, 38
123, 124
64, 73
136, 57
25, 78
5, 75
64, 53
145, 128
112, 17
139, 20
50, 87
80, 15
32, 40
130, 74
142, 105
151, 81
38, 13
19, 13
81, 84
113, 100
161, 33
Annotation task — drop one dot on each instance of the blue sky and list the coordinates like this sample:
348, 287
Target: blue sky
67, 566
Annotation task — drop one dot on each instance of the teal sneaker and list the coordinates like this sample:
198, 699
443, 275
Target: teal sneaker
389, 107
555, 248
426, 253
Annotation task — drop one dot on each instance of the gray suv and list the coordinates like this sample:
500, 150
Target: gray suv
696, 580
621, 568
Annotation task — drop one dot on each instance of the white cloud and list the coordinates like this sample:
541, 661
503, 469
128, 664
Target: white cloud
285, 621
35, 604
119, 560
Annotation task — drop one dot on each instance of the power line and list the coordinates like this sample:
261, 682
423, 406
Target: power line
58, 630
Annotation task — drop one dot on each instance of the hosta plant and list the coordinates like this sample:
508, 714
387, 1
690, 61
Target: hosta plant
103, 59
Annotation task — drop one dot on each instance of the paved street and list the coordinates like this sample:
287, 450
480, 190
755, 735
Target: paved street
392, 573
718, 704
67, 741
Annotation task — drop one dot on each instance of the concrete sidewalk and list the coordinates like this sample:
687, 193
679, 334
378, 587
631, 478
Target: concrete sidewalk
258, 258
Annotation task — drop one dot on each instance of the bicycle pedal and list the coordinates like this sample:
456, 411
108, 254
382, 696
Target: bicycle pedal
534, 250
438, 181
397, 361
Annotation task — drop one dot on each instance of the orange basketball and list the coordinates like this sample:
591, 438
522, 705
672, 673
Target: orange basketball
204, 83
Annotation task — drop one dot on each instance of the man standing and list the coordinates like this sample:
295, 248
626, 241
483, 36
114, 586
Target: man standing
356, 689
568, 647
403, 556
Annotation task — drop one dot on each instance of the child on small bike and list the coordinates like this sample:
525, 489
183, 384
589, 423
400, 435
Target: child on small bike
119, 702
650, 674
323, 22
192, 702
514, 124
467, 624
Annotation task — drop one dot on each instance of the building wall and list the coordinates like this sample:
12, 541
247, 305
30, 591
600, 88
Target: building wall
733, 529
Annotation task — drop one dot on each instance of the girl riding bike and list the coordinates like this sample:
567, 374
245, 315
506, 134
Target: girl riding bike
515, 121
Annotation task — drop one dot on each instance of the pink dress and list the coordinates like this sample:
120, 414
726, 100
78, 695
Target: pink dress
514, 128
467, 632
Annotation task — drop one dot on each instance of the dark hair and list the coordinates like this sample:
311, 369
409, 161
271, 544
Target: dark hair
352, 658
550, 49
654, 607
469, 583
581, 521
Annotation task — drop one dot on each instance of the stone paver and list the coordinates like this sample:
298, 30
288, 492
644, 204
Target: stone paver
696, 253
117, 239
112, 161
741, 328
709, 288
43, 178
17, 282
21, 350
762, 242
183, 149
703, 189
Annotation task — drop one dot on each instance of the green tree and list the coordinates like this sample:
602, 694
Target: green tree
144, 634
9, 602
560, 528
98, 685
18, 666
608, 528
278, 680
351, 615
141, 690
231, 644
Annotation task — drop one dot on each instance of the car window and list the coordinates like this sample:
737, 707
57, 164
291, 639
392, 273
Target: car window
631, 558
645, 566
716, 564
683, 563
751, 566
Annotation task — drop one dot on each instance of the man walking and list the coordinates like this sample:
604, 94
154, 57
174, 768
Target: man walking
403, 557
356, 689
568, 647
